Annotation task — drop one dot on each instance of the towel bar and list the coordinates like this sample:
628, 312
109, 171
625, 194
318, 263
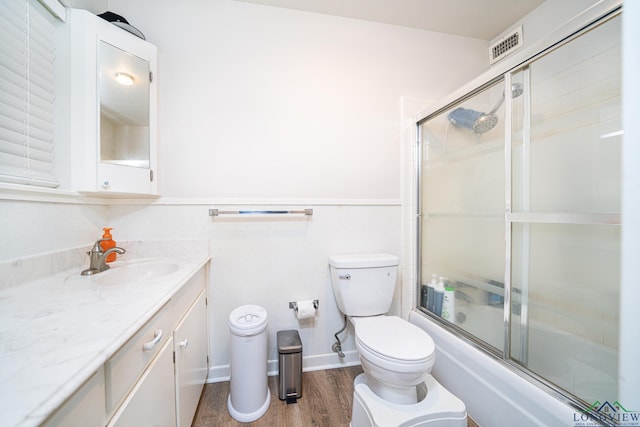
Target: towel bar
217, 212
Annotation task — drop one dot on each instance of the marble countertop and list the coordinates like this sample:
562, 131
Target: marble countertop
56, 331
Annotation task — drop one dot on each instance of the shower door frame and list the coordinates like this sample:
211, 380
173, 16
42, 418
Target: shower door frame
503, 72
419, 216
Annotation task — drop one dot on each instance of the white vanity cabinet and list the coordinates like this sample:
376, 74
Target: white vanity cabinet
156, 377
113, 108
191, 363
151, 400
86, 408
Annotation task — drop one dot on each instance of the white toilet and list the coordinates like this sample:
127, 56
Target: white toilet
397, 388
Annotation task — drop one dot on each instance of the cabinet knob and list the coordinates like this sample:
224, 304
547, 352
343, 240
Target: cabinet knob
183, 344
106, 183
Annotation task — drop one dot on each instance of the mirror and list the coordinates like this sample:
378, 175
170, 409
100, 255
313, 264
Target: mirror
124, 108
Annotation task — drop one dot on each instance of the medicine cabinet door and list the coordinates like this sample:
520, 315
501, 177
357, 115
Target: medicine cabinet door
124, 136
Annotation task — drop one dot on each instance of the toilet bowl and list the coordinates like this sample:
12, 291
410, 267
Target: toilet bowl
396, 388
395, 355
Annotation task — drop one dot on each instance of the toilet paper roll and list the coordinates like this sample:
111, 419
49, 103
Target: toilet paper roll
306, 310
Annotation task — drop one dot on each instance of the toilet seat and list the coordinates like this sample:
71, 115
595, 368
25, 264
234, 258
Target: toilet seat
393, 343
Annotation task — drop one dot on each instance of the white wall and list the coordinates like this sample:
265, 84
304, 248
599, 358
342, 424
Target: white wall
270, 261
266, 107
30, 227
261, 106
264, 102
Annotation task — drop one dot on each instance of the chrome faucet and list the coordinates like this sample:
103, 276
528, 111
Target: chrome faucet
98, 258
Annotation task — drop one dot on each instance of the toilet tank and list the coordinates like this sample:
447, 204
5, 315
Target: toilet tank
363, 284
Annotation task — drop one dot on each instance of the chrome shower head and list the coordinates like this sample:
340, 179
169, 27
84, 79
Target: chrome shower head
473, 120
479, 122
485, 123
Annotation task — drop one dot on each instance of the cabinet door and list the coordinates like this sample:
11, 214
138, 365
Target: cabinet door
85, 408
125, 154
152, 401
190, 341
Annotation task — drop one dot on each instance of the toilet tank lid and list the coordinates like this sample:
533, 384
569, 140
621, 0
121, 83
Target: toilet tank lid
363, 260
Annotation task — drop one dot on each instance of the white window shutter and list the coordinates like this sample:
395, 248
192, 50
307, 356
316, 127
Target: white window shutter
27, 93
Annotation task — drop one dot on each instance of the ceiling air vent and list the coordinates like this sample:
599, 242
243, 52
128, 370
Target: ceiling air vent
506, 45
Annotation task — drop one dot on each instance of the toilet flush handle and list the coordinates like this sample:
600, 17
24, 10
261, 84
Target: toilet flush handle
344, 276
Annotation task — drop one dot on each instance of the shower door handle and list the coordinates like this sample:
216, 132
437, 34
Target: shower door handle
344, 276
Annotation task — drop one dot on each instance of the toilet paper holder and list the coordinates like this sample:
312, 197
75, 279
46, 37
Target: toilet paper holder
294, 305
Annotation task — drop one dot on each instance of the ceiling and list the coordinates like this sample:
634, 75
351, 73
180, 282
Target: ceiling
483, 19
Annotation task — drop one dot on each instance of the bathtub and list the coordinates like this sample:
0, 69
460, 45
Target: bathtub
584, 368
495, 393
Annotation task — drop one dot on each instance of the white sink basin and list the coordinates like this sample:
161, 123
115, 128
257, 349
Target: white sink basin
141, 272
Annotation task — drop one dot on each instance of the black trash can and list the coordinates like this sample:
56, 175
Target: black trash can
289, 366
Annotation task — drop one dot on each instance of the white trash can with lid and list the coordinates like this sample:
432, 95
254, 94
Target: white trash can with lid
249, 395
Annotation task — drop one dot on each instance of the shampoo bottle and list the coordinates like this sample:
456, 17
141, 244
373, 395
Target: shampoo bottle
431, 293
108, 244
438, 296
449, 304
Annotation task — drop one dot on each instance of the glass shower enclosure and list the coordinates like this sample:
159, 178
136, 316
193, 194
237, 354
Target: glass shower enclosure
519, 199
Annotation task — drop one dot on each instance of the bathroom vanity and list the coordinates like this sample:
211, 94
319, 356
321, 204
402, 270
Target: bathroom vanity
126, 347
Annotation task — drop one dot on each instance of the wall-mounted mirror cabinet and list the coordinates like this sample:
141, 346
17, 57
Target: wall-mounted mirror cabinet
113, 120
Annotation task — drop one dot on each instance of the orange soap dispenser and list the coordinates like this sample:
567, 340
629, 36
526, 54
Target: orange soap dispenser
108, 244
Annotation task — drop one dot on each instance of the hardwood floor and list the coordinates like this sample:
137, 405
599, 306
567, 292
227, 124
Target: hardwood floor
326, 401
